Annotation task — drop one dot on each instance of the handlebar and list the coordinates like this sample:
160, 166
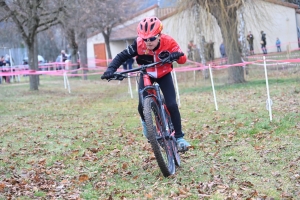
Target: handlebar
121, 75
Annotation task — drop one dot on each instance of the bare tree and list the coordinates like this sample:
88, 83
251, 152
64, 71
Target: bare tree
83, 17
226, 14
30, 18
48, 44
109, 15
76, 23
7, 39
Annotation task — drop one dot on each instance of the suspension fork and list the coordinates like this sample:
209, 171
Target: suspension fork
148, 87
162, 109
154, 92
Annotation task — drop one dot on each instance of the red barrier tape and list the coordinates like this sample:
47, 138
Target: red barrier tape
195, 66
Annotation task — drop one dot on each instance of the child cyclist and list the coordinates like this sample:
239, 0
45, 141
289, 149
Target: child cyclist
151, 46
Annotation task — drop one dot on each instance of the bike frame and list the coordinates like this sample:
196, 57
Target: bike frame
154, 92
166, 134
152, 89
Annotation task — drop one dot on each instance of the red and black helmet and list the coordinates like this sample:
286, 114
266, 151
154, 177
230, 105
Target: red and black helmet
149, 27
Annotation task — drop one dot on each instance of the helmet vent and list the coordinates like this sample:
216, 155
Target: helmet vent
152, 26
146, 26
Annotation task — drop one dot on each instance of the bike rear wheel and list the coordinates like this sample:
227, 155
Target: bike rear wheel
161, 145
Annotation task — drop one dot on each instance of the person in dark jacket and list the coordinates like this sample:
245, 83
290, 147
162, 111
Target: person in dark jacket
128, 64
222, 50
263, 42
250, 39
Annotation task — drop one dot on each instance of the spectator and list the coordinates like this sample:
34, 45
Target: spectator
209, 56
25, 62
42, 64
25, 65
7, 60
278, 45
9, 63
191, 48
263, 42
61, 59
250, 39
2, 61
210, 52
128, 64
3, 64
223, 52
63, 56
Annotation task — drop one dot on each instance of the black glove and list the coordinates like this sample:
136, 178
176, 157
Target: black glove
175, 56
109, 73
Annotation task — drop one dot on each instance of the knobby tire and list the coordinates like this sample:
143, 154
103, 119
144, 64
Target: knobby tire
163, 149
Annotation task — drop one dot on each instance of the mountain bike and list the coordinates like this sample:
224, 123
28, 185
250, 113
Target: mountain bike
160, 130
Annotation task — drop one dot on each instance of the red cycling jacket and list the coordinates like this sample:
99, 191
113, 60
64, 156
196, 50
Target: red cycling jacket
167, 45
143, 55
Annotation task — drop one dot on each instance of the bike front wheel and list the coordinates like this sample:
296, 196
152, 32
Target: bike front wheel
161, 145
173, 139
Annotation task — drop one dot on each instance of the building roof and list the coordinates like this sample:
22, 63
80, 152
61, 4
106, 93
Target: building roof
131, 17
282, 3
125, 33
129, 32
160, 3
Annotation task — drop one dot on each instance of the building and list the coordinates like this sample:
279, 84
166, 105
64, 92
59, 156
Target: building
274, 17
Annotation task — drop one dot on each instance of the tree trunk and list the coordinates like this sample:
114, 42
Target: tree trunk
232, 47
73, 49
106, 36
82, 39
242, 34
33, 65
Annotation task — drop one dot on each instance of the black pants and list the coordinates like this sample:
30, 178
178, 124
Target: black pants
278, 49
263, 47
251, 46
168, 90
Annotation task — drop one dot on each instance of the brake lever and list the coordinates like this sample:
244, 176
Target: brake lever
113, 78
117, 76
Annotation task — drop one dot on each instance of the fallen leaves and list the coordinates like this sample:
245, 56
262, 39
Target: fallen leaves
83, 177
77, 146
2, 186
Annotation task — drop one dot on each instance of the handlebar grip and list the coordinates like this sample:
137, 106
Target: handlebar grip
181, 54
118, 76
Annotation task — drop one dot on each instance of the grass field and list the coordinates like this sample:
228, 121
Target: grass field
88, 144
